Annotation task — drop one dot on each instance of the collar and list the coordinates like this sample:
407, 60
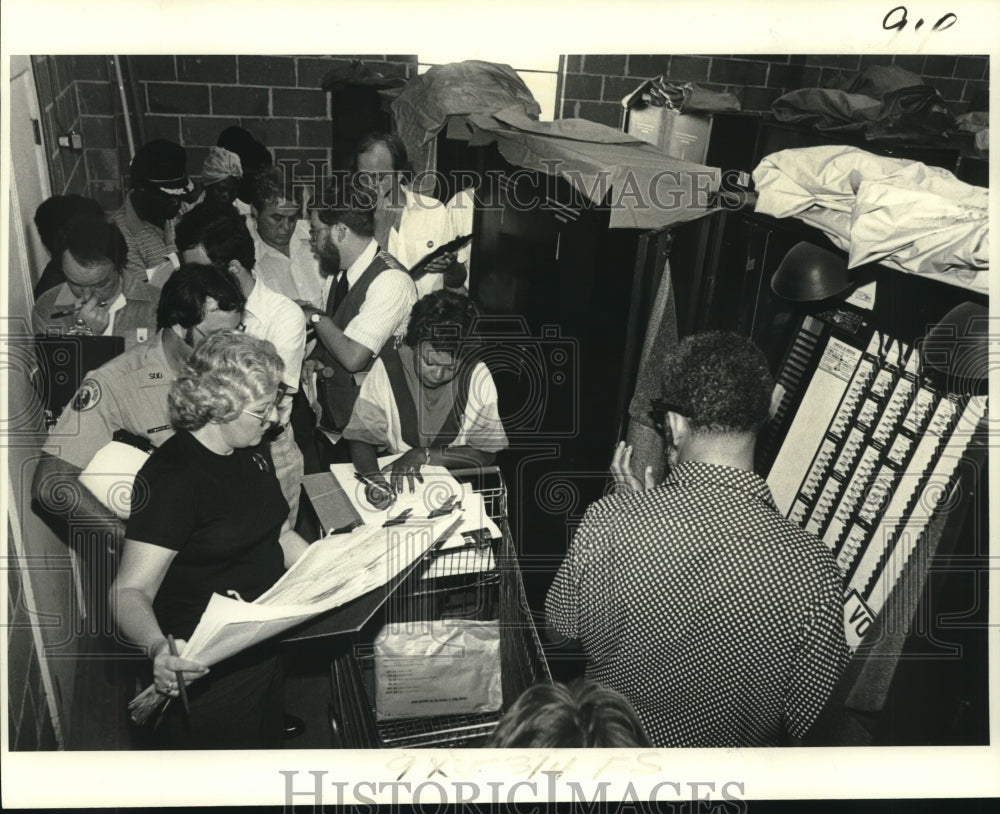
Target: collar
262, 248
154, 356
117, 303
364, 260
256, 294
696, 473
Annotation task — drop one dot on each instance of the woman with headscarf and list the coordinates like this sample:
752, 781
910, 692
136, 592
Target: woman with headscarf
221, 175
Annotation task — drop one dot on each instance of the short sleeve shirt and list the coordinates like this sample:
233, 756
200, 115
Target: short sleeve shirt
376, 418
222, 514
128, 393
720, 620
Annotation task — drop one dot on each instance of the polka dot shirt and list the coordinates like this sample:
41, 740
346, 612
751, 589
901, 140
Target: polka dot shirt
720, 620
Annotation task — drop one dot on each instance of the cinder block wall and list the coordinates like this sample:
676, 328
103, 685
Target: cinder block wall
595, 83
59, 105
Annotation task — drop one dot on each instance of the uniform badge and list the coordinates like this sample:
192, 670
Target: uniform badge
88, 396
141, 334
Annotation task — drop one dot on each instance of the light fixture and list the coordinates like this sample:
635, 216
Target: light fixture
809, 274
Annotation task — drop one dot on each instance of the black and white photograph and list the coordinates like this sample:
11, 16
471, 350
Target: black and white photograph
474, 418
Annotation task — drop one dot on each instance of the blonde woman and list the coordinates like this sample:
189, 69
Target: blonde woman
207, 518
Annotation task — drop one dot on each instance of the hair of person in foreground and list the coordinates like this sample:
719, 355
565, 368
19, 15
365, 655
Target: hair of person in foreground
582, 714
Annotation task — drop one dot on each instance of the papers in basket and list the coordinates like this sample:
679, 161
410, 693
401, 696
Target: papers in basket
333, 571
432, 494
471, 555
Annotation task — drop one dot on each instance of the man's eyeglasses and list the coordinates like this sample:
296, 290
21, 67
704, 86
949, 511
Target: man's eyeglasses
660, 408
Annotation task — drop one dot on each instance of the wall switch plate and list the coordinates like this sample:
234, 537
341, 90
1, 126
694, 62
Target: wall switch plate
70, 141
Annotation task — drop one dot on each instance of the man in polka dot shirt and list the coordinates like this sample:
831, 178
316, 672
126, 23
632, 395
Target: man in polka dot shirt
720, 620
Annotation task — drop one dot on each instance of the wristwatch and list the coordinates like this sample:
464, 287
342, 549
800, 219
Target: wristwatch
315, 317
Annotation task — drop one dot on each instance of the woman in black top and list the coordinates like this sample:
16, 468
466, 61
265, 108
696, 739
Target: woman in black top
206, 518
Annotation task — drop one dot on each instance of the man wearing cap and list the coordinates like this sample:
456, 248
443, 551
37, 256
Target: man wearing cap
159, 185
285, 261
94, 300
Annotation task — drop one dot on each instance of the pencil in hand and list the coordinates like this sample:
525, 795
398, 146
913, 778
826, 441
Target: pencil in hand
180, 676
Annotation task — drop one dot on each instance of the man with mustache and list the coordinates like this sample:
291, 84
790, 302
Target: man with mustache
367, 295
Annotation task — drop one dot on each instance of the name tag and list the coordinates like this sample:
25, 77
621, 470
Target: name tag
152, 430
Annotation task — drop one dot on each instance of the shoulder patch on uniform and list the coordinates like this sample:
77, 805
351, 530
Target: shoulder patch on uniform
88, 396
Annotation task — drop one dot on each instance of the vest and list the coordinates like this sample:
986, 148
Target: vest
335, 386
408, 415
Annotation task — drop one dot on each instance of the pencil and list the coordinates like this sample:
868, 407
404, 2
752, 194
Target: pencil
180, 676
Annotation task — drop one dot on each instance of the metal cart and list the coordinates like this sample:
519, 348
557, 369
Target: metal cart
496, 593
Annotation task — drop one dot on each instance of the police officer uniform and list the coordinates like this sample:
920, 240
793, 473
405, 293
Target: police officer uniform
128, 393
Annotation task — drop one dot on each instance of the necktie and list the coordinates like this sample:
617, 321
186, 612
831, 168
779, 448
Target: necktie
339, 293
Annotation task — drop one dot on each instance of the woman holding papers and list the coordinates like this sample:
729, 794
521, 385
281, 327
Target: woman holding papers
207, 518
428, 399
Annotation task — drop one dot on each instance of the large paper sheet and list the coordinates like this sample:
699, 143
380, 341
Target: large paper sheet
333, 571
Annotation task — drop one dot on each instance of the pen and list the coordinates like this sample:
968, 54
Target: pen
384, 487
71, 311
180, 677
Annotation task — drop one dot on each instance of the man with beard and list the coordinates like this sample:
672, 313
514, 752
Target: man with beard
368, 297
159, 185
129, 393
720, 620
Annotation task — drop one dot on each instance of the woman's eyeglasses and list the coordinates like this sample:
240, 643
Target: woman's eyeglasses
263, 416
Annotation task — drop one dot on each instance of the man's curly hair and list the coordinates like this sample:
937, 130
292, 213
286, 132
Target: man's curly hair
720, 382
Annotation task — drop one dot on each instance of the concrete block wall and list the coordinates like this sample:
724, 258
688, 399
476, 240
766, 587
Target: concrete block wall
595, 84
279, 99
59, 106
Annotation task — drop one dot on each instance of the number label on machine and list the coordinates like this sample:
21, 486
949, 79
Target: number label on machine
858, 619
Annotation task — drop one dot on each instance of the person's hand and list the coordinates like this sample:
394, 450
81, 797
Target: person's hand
166, 667
378, 492
443, 263
94, 314
406, 466
621, 470
310, 366
285, 411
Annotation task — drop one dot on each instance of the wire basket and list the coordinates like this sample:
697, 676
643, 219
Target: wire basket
490, 595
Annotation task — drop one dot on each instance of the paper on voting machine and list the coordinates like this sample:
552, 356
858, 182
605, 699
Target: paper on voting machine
333, 571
